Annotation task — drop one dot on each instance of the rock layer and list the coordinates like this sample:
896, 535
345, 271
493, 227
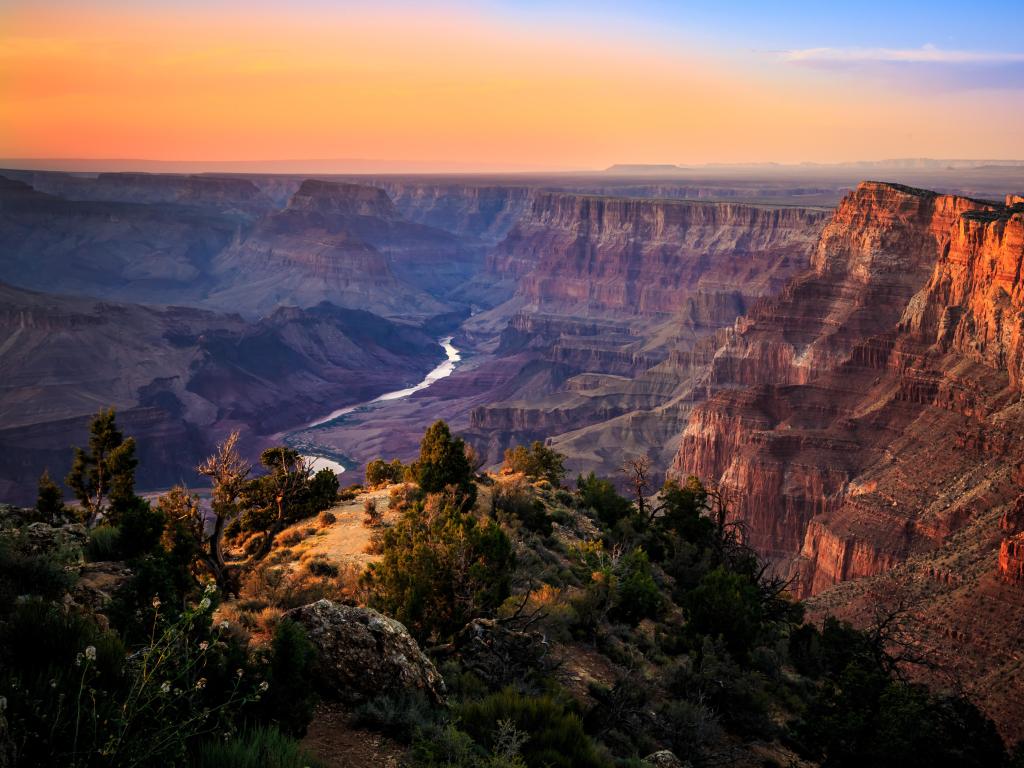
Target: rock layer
873, 407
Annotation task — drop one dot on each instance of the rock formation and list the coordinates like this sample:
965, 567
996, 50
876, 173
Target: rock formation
362, 654
872, 409
180, 377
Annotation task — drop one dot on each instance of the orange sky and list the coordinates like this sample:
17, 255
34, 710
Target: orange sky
445, 88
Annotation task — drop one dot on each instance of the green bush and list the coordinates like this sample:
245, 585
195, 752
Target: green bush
556, 738
442, 463
727, 604
104, 543
379, 471
538, 462
600, 495
255, 748
401, 716
29, 573
637, 596
288, 702
440, 567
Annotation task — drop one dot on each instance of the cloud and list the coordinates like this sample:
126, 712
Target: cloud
927, 54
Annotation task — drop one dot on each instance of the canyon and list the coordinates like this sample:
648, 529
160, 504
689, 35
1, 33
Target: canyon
843, 361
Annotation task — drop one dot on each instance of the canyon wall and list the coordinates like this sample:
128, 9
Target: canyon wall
872, 408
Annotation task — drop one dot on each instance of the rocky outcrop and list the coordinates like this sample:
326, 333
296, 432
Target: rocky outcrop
344, 243
362, 654
871, 409
648, 257
114, 250
481, 211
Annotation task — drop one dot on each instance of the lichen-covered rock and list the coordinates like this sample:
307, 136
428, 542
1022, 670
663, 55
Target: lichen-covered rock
664, 759
43, 537
362, 653
98, 582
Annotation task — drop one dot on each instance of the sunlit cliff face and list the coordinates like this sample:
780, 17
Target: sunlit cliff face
446, 87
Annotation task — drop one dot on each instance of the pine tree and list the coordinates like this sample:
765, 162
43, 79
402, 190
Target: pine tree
103, 477
50, 501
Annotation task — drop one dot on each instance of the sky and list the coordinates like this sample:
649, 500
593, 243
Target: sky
523, 85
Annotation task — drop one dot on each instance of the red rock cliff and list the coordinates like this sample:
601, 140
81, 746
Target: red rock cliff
647, 257
873, 408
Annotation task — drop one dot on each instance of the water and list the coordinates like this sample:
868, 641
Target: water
445, 368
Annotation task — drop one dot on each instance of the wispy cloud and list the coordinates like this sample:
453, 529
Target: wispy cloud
927, 54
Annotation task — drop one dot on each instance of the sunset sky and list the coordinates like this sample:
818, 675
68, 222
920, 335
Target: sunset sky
510, 85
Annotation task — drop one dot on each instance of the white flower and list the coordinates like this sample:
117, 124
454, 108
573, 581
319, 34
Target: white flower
203, 645
210, 588
90, 652
200, 683
78, 659
224, 625
264, 685
238, 672
156, 602
204, 604
166, 687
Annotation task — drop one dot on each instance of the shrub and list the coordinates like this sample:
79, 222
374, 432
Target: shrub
556, 737
372, 517
637, 596
727, 604
24, 573
327, 518
517, 498
104, 543
600, 495
442, 463
379, 472
538, 461
400, 716
256, 748
440, 567
321, 567
288, 702
141, 528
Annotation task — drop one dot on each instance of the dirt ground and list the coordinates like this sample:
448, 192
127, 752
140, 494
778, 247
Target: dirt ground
336, 743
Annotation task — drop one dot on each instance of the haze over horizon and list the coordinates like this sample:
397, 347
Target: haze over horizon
504, 86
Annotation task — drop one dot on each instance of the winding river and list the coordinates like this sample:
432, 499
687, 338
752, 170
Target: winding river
443, 369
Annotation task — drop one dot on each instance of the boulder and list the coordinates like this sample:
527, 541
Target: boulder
43, 537
98, 582
362, 654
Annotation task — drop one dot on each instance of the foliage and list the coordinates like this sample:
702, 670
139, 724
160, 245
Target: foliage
443, 462
400, 715
637, 596
600, 495
259, 747
440, 567
102, 477
50, 499
515, 497
379, 472
726, 604
77, 700
556, 738
23, 572
538, 462
104, 543
289, 702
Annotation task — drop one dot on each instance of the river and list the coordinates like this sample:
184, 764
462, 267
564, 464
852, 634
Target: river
443, 369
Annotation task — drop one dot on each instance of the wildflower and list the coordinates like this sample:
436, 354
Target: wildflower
264, 685
203, 645
210, 588
238, 672
223, 625
156, 601
204, 604
200, 683
90, 652
78, 659
166, 687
